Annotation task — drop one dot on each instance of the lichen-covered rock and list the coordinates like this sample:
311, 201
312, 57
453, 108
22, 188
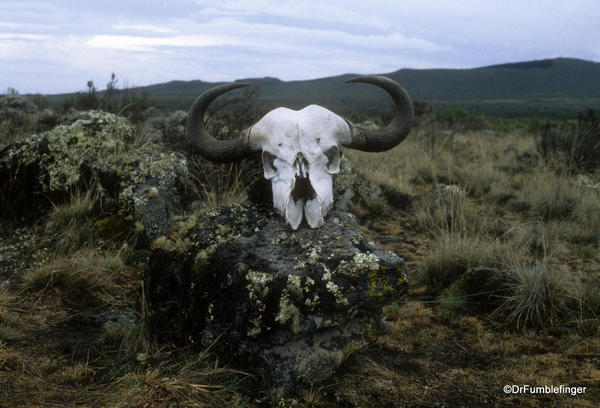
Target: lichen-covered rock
288, 305
349, 187
97, 149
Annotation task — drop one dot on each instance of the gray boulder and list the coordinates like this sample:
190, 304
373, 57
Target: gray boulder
289, 306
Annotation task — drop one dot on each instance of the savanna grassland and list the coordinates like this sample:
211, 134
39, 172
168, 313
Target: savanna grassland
498, 222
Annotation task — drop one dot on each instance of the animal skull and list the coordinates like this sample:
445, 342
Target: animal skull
301, 149
300, 154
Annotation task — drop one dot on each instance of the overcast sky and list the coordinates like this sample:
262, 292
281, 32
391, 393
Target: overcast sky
56, 46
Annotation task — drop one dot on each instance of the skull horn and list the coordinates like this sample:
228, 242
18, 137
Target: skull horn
203, 142
384, 139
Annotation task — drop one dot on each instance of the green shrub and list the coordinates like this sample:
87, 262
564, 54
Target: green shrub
452, 301
460, 119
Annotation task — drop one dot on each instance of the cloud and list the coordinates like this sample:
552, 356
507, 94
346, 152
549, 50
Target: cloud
143, 27
21, 36
140, 43
325, 12
233, 32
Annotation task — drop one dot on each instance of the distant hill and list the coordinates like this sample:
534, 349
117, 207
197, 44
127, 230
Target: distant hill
557, 87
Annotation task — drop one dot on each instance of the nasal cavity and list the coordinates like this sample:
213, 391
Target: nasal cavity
301, 166
302, 187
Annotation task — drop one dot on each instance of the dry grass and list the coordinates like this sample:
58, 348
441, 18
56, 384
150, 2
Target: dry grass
587, 215
70, 223
221, 185
449, 258
196, 382
387, 170
548, 195
88, 276
541, 295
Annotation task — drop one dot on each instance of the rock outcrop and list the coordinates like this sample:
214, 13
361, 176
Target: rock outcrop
288, 305
96, 150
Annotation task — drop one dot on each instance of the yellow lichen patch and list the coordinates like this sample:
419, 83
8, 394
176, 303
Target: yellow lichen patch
381, 282
163, 243
203, 256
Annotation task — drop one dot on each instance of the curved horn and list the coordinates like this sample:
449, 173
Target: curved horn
202, 141
384, 139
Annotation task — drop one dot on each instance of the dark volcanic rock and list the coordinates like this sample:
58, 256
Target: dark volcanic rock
288, 305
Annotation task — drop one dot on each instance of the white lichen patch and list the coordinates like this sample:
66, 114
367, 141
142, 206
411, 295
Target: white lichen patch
258, 289
258, 286
255, 329
313, 254
367, 261
163, 243
152, 192
334, 289
210, 311
360, 263
312, 303
288, 311
294, 285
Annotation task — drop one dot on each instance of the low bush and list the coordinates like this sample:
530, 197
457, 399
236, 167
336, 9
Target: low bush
571, 146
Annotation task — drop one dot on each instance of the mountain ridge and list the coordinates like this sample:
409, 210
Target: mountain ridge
558, 86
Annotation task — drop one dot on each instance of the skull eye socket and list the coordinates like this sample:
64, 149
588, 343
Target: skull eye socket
333, 160
268, 160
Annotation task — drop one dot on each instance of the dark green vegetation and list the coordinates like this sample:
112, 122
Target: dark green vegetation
558, 87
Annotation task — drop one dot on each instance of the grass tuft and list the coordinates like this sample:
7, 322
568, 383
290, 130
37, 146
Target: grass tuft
70, 223
88, 275
540, 295
221, 185
450, 257
549, 196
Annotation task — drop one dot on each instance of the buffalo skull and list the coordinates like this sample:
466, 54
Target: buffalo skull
301, 149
